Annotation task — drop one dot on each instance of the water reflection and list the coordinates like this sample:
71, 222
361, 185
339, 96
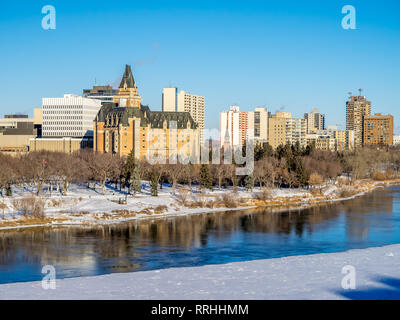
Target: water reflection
201, 239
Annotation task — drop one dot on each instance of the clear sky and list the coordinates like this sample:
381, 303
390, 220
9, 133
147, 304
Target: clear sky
290, 55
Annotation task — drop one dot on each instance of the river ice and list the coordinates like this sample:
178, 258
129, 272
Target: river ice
317, 276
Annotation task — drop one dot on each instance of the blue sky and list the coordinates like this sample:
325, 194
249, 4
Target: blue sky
290, 55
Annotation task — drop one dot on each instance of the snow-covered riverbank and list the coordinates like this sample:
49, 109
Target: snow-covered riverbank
83, 206
316, 276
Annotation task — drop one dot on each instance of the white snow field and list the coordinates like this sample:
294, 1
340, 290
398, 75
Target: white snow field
317, 276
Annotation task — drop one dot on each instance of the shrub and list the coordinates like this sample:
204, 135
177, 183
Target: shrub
30, 206
263, 195
379, 176
228, 200
343, 181
160, 209
346, 193
183, 196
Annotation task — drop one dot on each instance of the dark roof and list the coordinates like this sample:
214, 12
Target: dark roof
154, 118
127, 78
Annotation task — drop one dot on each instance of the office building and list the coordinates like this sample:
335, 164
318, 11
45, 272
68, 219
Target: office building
70, 116
103, 93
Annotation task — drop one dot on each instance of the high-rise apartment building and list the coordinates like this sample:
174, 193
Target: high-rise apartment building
356, 109
103, 93
195, 105
258, 124
378, 130
314, 121
296, 131
169, 100
233, 127
70, 116
172, 101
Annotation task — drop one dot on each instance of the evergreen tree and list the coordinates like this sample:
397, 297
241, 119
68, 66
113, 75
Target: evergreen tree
300, 171
136, 183
154, 184
8, 190
129, 170
249, 182
205, 177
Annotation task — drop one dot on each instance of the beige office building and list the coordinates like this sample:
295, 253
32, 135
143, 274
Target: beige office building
258, 124
277, 129
16, 130
66, 145
356, 109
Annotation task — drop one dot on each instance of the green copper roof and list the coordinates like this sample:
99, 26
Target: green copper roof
154, 118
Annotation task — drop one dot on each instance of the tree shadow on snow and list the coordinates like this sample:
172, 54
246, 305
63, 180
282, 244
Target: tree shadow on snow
391, 291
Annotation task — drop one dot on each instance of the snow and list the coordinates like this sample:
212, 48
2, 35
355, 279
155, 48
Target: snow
82, 205
317, 276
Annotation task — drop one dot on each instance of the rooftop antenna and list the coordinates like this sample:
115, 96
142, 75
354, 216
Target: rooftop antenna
360, 90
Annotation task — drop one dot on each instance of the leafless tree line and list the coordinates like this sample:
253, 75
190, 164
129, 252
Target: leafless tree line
288, 167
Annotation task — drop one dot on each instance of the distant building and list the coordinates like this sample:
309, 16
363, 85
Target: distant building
356, 109
396, 140
233, 127
103, 93
296, 131
314, 121
277, 129
16, 130
70, 116
283, 129
66, 145
378, 130
344, 140
172, 101
258, 124
169, 100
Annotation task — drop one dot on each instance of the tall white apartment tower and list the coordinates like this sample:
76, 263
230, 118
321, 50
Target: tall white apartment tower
258, 124
70, 116
169, 100
233, 127
172, 101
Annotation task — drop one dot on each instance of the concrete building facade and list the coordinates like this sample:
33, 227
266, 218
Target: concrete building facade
70, 116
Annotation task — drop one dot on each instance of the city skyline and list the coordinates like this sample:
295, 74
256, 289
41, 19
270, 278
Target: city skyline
289, 59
